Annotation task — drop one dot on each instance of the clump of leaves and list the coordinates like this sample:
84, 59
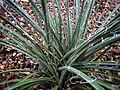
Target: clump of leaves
67, 55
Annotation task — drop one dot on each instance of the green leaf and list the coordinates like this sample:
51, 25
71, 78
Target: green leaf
70, 32
84, 76
106, 84
17, 70
27, 82
102, 73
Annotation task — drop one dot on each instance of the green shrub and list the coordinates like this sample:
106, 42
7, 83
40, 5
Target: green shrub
64, 57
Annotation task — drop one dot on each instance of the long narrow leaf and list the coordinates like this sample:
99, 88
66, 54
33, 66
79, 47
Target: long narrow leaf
84, 76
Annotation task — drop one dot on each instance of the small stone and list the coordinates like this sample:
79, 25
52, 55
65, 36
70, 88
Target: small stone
118, 73
4, 62
13, 22
2, 66
26, 73
117, 56
116, 51
22, 20
19, 54
8, 76
14, 54
23, 24
31, 62
11, 62
35, 67
19, 62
